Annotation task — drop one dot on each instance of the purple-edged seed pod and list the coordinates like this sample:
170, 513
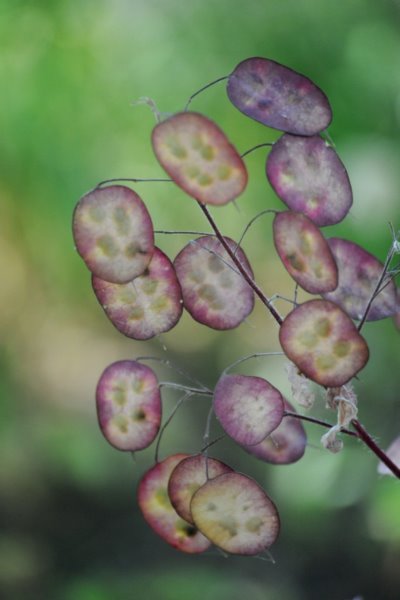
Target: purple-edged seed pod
278, 97
359, 273
213, 291
197, 155
249, 408
188, 476
128, 405
323, 342
113, 233
146, 306
304, 252
235, 513
159, 513
307, 174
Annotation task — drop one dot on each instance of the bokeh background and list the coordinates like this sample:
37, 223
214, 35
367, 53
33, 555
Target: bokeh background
70, 72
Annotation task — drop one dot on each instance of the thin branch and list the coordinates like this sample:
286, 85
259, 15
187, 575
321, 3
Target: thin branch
172, 232
377, 288
250, 223
132, 180
205, 87
255, 355
185, 388
171, 365
240, 267
288, 413
181, 400
256, 148
368, 441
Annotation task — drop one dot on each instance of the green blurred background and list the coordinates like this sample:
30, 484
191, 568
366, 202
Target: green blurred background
69, 72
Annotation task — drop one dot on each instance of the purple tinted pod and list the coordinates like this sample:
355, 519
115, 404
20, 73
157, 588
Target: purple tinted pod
197, 155
214, 293
248, 407
113, 233
188, 476
283, 446
309, 177
128, 405
159, 513
147, 306
323, 342
278, 97
359, 273
235, 513
304, 252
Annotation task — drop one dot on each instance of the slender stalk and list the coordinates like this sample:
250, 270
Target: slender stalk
250, 356
250, 223
368, 441
205, 87
132, 180
185, 388
256, 148
378, 286
288, 413
181, 400
240, 267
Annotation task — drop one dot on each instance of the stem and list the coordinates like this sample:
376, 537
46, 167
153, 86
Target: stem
256, 148
288, 413
255, 355
171, 232
170, 365
205, 87
131, 179
250, 223
240, 267
377, 287
168, 421
368, 441
185, 388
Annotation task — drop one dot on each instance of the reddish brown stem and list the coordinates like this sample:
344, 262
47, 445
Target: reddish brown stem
368, 441
288, 413
240, 267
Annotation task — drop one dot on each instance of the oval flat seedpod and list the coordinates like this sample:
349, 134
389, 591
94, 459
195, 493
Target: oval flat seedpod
213, 291
309, 177
305, 252
248, 407
235, 513
359, 273
323, 342
188, 476
146, 306
285, 445
278, 97
113, 233
128, 405
197, 155
159, 513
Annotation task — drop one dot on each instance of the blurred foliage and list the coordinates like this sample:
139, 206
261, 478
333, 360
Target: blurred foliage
69, 74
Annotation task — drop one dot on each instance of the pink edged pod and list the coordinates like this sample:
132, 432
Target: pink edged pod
113, 233
304, 252
359, 273
323, 342
188, 476
248, 407
197, 155
278, 97
235, 513
147, 306
213, 291
285, 445
128, 405
307, 174
159, 513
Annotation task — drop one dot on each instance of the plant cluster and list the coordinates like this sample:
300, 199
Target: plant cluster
193, 501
